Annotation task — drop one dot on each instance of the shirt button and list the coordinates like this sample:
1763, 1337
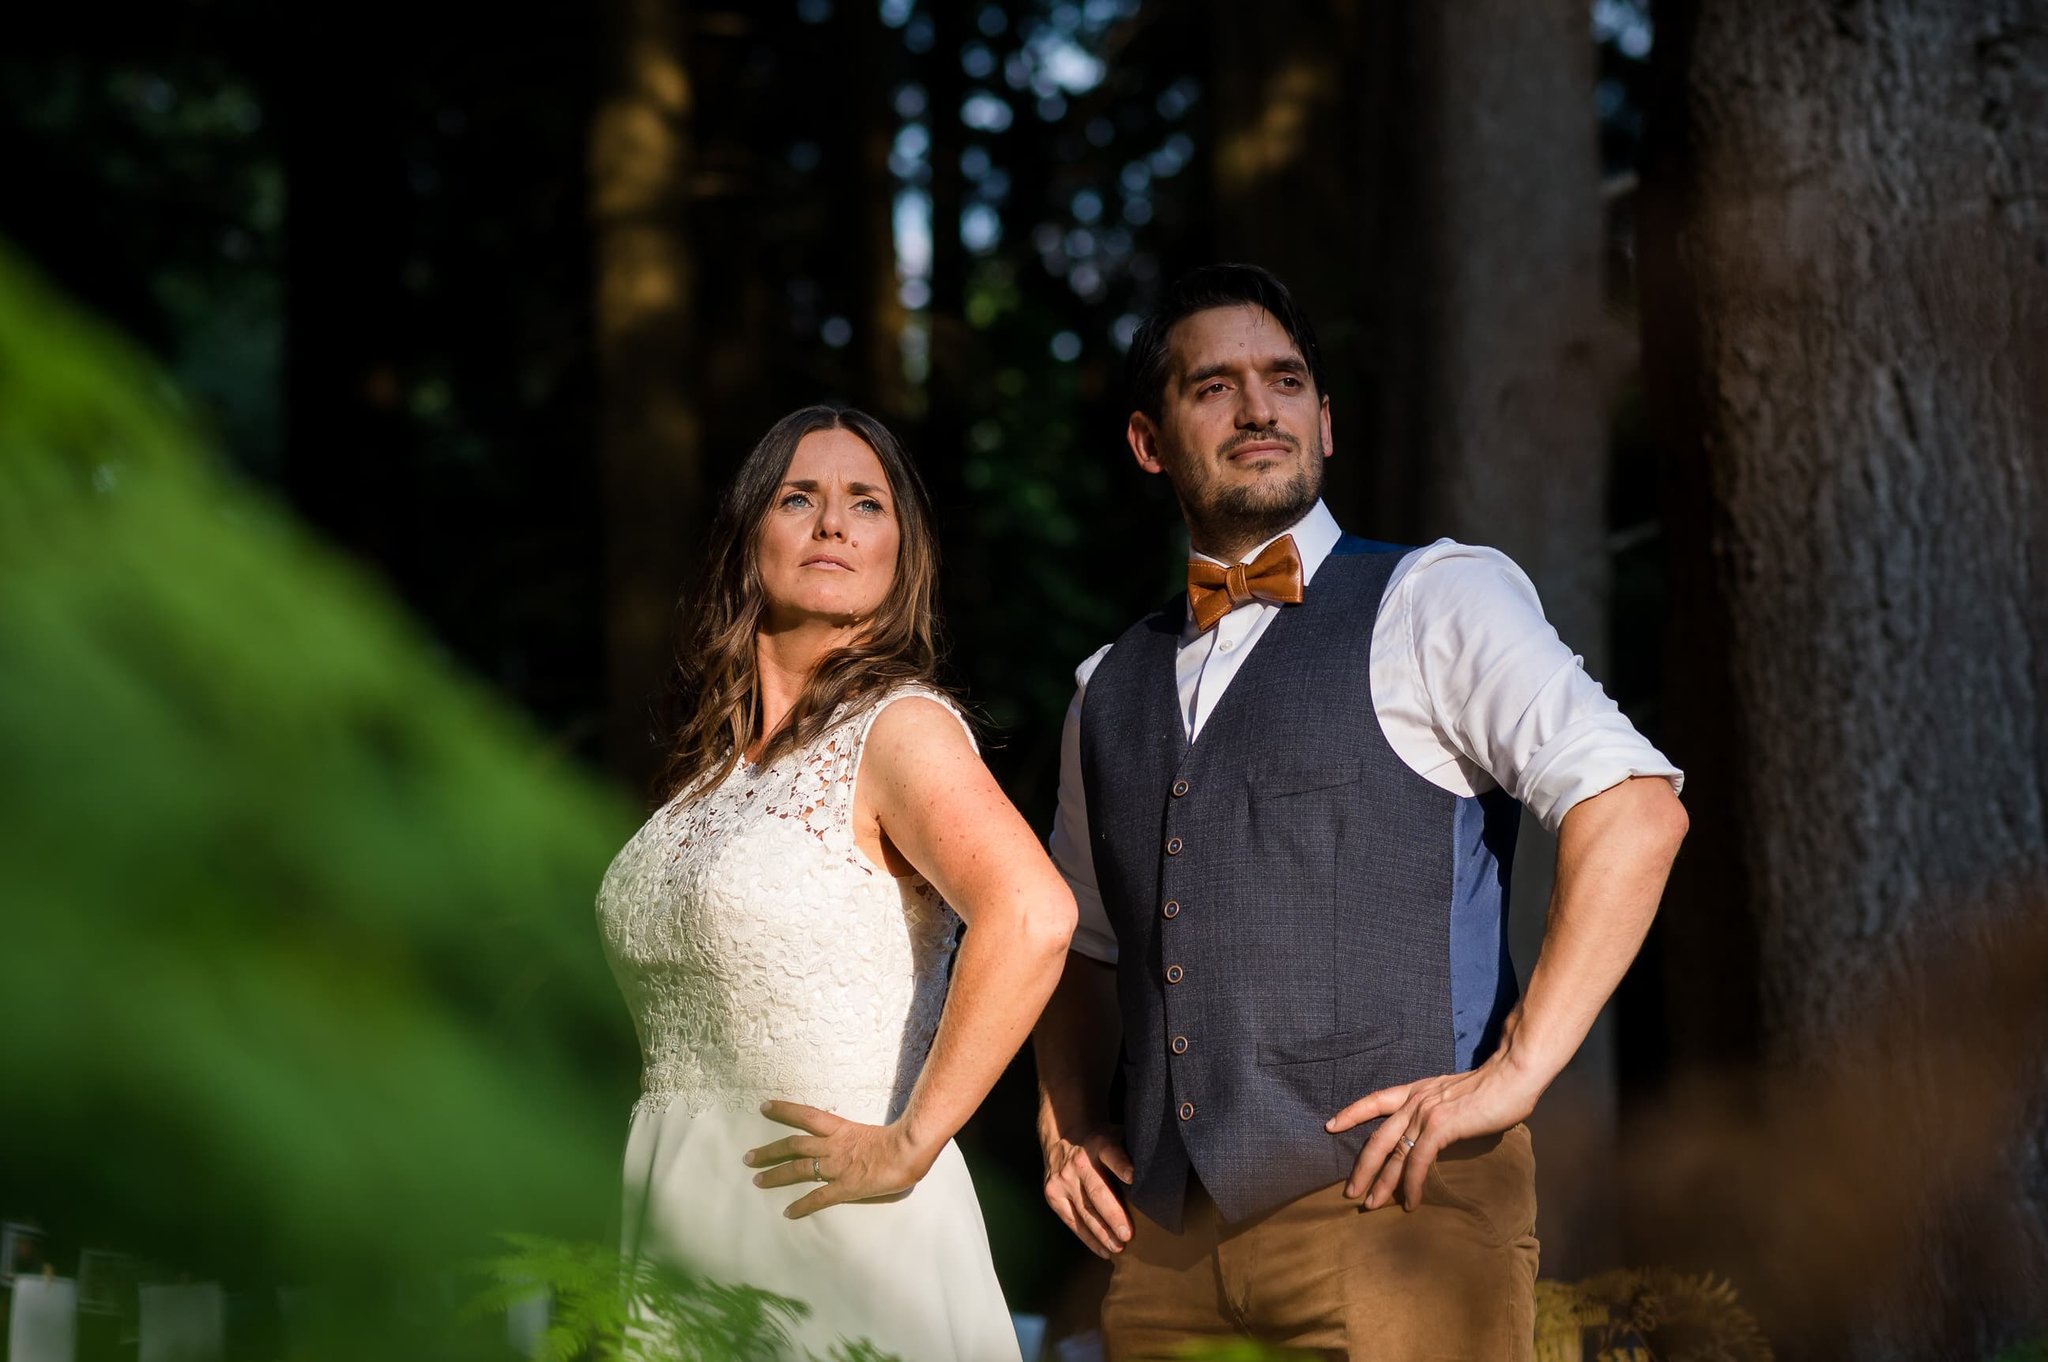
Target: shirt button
1173, 846
1171, 908
1180, 1045
1225, 646
1187, 1111
1173, 974
1180, 787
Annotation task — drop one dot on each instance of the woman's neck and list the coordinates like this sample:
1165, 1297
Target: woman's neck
784, 660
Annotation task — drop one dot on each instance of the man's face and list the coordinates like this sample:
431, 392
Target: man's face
1241, 433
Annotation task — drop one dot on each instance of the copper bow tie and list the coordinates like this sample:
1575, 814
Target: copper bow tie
1214, 591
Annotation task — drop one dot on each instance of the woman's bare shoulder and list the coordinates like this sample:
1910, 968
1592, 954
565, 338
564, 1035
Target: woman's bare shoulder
919, 724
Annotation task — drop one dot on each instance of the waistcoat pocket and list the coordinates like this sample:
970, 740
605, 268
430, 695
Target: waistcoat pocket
1336, 1045
1277, 780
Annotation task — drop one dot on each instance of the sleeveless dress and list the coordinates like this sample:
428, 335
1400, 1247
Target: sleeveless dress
762, 955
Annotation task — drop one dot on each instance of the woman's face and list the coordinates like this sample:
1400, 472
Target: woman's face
827, 547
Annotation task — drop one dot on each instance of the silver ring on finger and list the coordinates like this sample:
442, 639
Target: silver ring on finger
1407, 1143
817, 1173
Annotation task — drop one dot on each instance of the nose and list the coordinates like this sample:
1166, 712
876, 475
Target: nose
831, 522
1256, 409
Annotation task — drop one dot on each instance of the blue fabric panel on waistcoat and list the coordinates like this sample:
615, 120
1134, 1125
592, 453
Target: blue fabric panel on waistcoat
1351, 545
1483, 987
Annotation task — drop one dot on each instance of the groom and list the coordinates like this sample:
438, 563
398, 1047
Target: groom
1287, 810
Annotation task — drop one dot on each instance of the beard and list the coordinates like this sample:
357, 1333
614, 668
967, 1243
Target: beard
1235, 518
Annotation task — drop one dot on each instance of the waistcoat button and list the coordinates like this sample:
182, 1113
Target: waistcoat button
1171, 908
1180, 1045
1187, 1111
1173, 973
1173, 846
1180, 787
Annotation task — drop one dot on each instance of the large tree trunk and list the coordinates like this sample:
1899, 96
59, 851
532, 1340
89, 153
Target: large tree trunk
1846, 309
1426, 176
650, 437
1509, 430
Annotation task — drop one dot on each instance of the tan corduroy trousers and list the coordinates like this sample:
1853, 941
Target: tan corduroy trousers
1455, 1279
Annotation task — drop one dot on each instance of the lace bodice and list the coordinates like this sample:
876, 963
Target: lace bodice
764, 955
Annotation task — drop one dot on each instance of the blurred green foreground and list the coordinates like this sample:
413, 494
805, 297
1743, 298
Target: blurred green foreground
299, 983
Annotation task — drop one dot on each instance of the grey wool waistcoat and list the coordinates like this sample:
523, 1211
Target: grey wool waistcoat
1300, 917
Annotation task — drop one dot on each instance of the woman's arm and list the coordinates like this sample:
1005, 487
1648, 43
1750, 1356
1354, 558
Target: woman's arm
939, 807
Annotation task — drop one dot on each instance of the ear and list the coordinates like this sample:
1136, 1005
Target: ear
1328, 447
1142, 434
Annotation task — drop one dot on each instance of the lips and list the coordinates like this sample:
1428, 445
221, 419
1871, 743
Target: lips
826, 560
1264, 447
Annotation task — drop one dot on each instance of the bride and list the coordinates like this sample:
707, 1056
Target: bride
784, 927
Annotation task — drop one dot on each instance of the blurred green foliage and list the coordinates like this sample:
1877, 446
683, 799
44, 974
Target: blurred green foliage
606, 1308
298, 978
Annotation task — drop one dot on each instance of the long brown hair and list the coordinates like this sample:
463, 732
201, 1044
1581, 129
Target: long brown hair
718, 685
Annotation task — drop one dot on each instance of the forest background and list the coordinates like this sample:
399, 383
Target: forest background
1729, 323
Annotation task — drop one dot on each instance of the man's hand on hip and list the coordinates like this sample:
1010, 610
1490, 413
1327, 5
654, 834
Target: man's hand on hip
1081, 1196
1613, 852
1422, 1118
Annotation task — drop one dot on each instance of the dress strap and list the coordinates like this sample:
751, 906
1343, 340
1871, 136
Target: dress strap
852, 744
905, 692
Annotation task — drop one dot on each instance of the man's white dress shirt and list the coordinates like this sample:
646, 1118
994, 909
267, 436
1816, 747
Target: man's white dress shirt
1471, 684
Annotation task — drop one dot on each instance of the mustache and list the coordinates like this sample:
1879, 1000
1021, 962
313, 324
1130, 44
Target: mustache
1257, 437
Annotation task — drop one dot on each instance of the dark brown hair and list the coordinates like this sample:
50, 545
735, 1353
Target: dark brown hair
718, 685
1198, 290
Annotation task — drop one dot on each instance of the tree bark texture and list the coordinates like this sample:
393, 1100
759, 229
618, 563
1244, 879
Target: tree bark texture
1491, 363
1846, 310
650, 435
1426, 177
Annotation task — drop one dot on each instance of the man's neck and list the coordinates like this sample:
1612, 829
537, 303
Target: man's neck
1236, 542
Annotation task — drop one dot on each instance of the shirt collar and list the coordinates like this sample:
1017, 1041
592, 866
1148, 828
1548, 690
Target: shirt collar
1315, 534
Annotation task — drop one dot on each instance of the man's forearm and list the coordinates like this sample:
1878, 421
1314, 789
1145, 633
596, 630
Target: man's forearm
1614, 852
1075, 1044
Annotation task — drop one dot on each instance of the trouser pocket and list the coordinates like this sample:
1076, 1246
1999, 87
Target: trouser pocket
1492, 1180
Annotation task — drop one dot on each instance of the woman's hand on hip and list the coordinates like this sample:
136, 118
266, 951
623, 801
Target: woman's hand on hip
850, 1160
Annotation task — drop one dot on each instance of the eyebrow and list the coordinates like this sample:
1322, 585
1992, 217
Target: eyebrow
1286, 364
859, 489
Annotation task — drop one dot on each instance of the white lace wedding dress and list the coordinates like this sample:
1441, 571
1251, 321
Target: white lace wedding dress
764, 955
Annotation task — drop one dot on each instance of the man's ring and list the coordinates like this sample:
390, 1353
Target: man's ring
1407, 1143
817, 1174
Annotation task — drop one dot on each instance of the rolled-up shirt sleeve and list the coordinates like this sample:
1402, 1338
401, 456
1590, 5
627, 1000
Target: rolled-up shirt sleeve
1505, 692
1071, 851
